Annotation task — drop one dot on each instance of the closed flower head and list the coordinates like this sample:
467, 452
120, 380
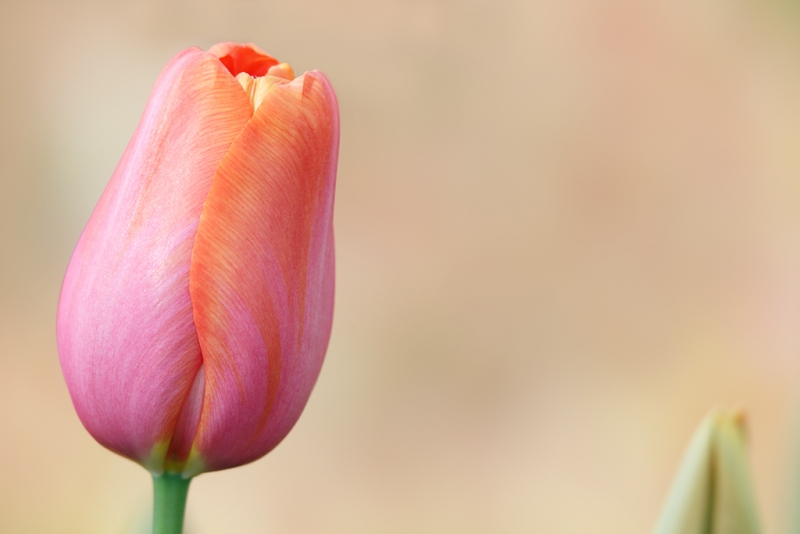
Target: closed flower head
197, 307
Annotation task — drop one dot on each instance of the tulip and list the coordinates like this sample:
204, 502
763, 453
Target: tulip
713, 492
196, 309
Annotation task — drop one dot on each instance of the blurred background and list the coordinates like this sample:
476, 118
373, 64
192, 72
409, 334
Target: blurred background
565, 230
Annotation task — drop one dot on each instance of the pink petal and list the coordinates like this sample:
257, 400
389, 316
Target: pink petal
126, 337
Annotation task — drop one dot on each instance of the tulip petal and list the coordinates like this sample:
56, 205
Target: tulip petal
262, 274
239, 58
126, 336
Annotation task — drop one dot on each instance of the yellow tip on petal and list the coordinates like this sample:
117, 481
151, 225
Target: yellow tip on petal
257, 88
155, 461
284, 70
194, 464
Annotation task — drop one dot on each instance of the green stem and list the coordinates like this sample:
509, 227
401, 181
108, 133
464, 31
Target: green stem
169, 503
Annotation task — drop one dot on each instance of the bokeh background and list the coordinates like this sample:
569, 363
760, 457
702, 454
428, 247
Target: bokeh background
565, 229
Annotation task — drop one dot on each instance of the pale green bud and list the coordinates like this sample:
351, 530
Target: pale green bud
713, 492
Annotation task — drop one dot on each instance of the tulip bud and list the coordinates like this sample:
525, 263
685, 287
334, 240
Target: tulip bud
197, 307
712, 492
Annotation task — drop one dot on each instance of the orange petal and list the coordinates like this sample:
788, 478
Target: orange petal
261, 278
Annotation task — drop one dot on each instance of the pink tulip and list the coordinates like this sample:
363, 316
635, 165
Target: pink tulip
197, 307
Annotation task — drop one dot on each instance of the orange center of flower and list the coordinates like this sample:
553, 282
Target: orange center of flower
255, 70
244, 58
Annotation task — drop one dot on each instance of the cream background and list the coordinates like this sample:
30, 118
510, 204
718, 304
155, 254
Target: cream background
565, 230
